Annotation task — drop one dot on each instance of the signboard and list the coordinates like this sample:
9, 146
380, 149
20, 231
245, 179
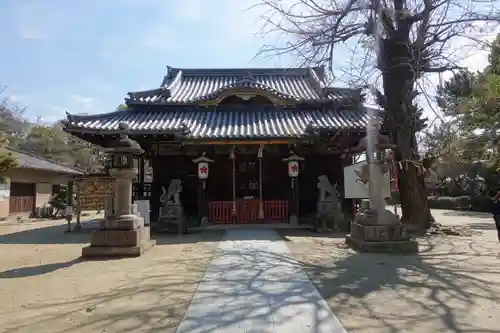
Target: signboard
203, 170
356, 183
293, 168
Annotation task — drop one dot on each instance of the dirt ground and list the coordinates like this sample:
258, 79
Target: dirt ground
453, 285
45, 287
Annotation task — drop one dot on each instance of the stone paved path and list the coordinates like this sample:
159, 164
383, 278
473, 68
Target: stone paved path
254, 285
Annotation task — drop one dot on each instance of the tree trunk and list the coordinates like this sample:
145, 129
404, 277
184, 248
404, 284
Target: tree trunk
397, 66
415, 209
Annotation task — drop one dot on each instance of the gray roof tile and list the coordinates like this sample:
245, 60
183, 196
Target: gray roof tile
222, 122
29, 160
181, 86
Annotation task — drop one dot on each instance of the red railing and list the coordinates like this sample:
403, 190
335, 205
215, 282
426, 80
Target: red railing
247, 211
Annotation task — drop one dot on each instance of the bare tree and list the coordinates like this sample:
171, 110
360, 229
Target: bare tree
396, 44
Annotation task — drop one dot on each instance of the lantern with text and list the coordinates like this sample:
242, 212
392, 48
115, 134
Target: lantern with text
293, 164
202, 163
203, 170
293, 169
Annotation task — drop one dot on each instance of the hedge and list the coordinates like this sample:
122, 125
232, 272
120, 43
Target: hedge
477, 204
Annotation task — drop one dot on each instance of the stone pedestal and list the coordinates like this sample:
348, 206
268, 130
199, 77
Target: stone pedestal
124, 233
372, 232
123, 236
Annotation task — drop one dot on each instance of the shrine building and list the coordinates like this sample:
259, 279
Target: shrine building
248, 145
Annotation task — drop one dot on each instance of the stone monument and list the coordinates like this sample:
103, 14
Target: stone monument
122, 232
377, 229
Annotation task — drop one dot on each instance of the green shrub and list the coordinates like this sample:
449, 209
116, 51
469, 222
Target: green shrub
477, 204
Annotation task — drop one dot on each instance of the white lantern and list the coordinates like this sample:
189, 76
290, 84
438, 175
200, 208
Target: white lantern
293, 168
203, 170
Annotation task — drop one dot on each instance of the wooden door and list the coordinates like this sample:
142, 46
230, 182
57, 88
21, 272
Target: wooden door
22, 198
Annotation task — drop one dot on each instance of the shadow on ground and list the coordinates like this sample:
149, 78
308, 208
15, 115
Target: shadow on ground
57, 235
437, 286
46, 235
23, 272
449, 280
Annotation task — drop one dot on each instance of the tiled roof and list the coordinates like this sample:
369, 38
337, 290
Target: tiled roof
31, 161
221, 122
184, 86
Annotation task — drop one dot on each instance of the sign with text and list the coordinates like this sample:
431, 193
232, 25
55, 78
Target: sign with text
357, 178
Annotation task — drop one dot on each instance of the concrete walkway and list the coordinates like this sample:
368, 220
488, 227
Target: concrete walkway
254, 285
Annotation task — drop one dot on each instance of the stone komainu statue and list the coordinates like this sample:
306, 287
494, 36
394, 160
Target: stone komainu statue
172, 195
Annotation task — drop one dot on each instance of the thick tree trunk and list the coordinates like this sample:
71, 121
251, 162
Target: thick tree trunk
413, 194
399, 81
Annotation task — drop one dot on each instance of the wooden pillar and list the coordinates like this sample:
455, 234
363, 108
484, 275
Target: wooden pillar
260, 155
232, 156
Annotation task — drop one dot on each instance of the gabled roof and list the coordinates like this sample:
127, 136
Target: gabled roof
32, 161
235, 122
187, 86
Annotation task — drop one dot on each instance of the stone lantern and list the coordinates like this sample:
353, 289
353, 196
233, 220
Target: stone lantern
123, 232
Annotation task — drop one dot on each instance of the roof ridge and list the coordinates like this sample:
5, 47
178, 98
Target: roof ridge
43, 158
239, 71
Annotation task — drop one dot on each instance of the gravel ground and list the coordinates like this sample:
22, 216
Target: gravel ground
45, 287
453, 285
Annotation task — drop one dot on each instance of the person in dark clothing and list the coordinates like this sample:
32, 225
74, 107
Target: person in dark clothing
496, 213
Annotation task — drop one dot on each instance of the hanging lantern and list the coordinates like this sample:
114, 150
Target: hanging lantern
293, 164
202, 164
203, 170
293, 168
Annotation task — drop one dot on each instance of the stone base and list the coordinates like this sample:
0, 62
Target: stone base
121, 236
204, 221
123, 222
294, 221
379, 233
117, 251
408, 246
381, 238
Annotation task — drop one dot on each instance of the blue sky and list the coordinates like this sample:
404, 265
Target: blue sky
84, 56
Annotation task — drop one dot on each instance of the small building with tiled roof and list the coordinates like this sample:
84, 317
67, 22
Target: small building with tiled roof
247, 121
30, 184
